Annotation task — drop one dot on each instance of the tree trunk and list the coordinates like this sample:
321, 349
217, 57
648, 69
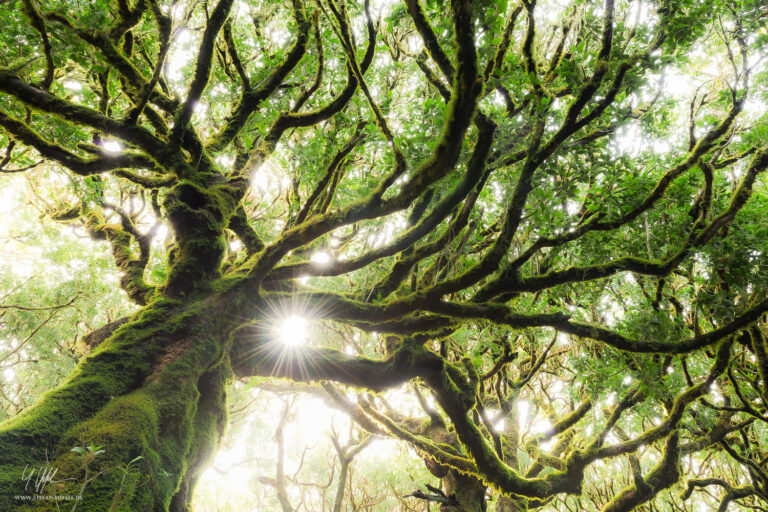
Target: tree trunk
468, 492
152, 397
512, 436
507, 504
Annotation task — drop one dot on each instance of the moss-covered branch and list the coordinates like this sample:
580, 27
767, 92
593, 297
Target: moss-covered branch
253, 97
84, 166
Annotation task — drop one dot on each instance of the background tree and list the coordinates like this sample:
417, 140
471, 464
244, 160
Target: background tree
447, 194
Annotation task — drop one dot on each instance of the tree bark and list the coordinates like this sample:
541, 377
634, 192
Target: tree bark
469, 493
152, 396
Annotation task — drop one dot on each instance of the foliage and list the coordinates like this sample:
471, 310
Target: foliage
527, 240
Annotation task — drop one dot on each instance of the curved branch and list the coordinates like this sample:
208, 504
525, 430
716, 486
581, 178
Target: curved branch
22, 133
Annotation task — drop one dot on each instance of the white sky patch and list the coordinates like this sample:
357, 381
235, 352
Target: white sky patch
661, 146
8, 201
611, 311
679, 85
277, 33
225, 160
540, 426
415, 44
638, 13
177, 11
242, 9
235, 245
557, 387
384, 7
261, 181
269, 179
200, 109
321, 258
405, 400
381, 452
523, 409
111, 146
232, 477
181, 53
548, 445
226, 470
553, 11
73, 85
629, 139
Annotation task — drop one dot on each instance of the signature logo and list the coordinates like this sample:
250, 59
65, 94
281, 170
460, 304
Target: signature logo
39, 477
36, 479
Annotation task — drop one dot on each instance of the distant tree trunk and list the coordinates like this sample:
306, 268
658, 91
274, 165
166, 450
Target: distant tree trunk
507, 504
463, 493
512, 436
468, 492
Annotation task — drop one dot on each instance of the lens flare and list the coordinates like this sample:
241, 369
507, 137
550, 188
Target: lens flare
292, 330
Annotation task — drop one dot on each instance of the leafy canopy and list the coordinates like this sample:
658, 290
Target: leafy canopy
560, 204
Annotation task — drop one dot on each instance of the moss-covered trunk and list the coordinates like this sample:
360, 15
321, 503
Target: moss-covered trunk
147, 408
467, 494
143, 412
507, 504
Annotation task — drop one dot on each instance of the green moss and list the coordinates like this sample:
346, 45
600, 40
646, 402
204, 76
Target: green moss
199, 215
116, 366
210, 421
145, 392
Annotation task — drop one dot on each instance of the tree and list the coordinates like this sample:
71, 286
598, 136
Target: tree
450, 182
